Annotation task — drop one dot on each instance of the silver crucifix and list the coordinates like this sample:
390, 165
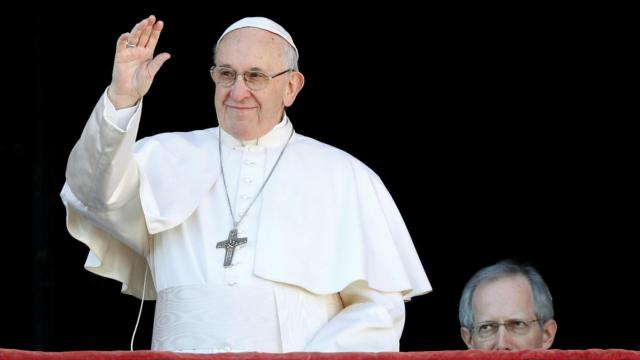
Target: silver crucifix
230, 246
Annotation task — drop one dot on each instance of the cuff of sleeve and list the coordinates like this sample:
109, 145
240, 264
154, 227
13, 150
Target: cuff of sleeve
119, 119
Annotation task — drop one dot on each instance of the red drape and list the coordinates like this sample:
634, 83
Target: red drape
599, 354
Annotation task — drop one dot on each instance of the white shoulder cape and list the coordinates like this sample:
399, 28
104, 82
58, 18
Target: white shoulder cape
326, 220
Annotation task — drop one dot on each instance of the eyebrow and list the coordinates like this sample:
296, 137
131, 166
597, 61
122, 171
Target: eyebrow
255, 68
496, 321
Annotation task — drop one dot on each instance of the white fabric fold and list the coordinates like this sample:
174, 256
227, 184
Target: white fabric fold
176, 171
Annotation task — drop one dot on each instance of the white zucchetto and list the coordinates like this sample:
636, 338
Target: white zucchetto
260, 23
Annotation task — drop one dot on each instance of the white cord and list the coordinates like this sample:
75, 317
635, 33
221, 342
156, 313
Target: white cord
144, 285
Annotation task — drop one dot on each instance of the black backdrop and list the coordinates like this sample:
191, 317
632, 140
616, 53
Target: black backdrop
481, 122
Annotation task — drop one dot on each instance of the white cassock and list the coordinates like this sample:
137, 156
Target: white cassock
327, 265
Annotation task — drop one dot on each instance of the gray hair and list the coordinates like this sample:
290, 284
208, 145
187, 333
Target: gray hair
289, 55
542, 301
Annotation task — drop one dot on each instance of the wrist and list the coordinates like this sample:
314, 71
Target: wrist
121, 101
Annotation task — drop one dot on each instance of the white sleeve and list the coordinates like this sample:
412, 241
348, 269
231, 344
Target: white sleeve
102, 195
371, 321
120, 119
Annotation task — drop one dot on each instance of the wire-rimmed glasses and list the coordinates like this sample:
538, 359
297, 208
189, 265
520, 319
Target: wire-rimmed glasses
489, 329
254, 80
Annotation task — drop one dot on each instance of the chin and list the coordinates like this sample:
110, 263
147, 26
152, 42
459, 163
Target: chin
239, 129
244, 133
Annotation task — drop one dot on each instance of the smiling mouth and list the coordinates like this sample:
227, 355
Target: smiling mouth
240, 108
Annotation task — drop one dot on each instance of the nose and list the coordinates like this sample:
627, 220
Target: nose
504, 339
239, 89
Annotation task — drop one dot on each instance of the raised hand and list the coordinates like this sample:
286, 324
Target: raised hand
135, 66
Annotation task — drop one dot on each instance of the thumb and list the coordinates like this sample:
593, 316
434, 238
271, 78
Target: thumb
156, 63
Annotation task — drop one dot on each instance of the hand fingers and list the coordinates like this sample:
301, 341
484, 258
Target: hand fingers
155, 34
145, 31
140, 33
122, 41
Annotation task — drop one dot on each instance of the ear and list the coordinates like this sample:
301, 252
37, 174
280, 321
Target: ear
549, 333
294, 85
466, 337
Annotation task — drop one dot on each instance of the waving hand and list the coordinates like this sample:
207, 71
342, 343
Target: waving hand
134, 66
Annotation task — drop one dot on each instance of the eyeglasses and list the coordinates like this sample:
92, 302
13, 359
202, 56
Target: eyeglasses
254, 80
489, 329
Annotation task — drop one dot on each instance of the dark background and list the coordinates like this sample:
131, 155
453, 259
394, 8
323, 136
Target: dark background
492, 128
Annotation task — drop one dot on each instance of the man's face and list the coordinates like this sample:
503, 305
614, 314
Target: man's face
244, 113
507, 300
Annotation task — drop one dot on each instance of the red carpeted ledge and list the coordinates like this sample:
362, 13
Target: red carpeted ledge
608, 354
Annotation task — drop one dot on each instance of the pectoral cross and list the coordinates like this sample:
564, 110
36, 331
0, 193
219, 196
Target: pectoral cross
230, 246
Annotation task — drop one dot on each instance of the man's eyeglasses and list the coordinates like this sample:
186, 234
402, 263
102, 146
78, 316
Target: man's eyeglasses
489, 329
254, 80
